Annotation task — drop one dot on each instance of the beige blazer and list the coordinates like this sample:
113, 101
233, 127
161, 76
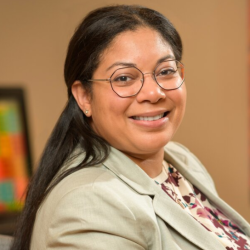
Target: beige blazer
117, 206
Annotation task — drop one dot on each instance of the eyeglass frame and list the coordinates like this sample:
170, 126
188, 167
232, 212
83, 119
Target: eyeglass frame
142, 80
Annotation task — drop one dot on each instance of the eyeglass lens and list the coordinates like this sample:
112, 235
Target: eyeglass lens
128, 81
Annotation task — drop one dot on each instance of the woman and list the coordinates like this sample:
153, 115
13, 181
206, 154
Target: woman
109, 177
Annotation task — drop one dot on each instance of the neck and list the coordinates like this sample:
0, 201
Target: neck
151, 163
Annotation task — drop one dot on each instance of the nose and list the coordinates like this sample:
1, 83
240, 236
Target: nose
150, 90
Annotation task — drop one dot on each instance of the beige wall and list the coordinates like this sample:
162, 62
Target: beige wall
33, 40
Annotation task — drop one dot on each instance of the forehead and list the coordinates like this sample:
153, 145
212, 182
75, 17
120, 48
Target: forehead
143, 45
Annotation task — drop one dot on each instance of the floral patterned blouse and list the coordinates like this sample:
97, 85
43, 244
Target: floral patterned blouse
194, 202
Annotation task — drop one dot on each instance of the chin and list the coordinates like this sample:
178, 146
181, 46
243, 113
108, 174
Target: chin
151, 146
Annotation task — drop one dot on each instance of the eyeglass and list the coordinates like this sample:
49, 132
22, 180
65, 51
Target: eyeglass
128, 81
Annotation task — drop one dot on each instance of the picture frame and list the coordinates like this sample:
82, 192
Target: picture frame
15, 153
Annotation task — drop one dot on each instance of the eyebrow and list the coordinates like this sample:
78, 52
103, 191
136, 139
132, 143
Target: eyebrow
125, 64
165, 58
121, 64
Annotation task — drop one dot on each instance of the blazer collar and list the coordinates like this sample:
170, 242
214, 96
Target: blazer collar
164, 207
130, 173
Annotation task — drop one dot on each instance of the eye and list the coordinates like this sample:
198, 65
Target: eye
165, 72
125, 77
122, 79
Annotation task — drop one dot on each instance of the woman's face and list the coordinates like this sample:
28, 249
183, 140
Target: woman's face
116, 119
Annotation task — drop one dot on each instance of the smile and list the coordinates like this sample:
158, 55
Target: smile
149, 118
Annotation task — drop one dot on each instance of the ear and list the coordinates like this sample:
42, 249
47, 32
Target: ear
82, 97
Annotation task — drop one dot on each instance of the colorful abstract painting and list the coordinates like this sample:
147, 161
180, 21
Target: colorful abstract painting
13, 156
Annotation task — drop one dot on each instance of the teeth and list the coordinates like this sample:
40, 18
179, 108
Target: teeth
148, 118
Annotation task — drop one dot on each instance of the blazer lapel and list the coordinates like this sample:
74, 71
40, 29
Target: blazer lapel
194, 173
184, 224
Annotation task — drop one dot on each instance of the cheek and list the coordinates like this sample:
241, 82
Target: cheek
109, 119
108, 109
184, 95
179, 96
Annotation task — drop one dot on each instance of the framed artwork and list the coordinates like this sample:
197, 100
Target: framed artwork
15, 156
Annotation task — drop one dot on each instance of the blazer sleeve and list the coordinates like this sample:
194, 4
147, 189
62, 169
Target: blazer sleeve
90, 216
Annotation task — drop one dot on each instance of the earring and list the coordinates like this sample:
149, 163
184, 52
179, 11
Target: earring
86, 112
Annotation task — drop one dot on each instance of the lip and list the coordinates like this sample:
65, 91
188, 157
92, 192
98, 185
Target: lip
151, 124
150, 113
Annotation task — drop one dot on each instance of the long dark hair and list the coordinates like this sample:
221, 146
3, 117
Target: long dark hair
90, 39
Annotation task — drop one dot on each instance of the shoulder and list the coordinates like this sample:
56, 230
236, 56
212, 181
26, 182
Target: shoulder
184, 157
94, 203
90, 185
